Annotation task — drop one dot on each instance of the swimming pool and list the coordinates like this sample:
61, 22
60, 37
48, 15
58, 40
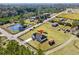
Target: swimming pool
16, 28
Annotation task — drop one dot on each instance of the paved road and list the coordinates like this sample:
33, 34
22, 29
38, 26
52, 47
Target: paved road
19, 34
1, 35
5, 33
62, 46
26, 40
15, 37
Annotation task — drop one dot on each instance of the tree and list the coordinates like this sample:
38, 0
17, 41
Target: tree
39, 50
0, 41
13, 48
2, 51
75, 23
40, 20
24, 51
22, 22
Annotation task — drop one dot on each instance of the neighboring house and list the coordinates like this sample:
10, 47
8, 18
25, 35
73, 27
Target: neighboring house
74, 30
55, 24
32, 18
63, 19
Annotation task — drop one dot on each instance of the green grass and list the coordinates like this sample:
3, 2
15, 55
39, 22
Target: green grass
74, 16
53, 34
69, 49
3, 40
47, 28
9, 18
28, 22
69, 21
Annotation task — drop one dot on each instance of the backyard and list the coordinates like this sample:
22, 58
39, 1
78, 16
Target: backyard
72, 48
53, 34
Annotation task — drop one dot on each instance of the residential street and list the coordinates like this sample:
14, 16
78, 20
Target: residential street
15, 37
19, 34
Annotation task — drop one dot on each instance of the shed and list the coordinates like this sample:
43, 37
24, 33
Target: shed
55, 24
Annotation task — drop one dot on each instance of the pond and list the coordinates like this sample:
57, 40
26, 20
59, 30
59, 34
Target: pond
16, 28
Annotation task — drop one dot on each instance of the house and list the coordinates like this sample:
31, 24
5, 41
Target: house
32, 19
51, 42
74, 30
39, 37
55, 24
62, 19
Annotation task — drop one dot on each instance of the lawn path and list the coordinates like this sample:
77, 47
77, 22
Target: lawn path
62, 45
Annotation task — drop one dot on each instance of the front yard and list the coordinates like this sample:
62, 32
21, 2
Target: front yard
53, 34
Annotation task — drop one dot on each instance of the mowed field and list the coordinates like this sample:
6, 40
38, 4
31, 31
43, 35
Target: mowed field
53, 34
74, 16
71, 49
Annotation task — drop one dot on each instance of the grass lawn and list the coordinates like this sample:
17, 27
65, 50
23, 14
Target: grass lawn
70, 49
74, 16
69, 21
59, 36
3, 41
28, 22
